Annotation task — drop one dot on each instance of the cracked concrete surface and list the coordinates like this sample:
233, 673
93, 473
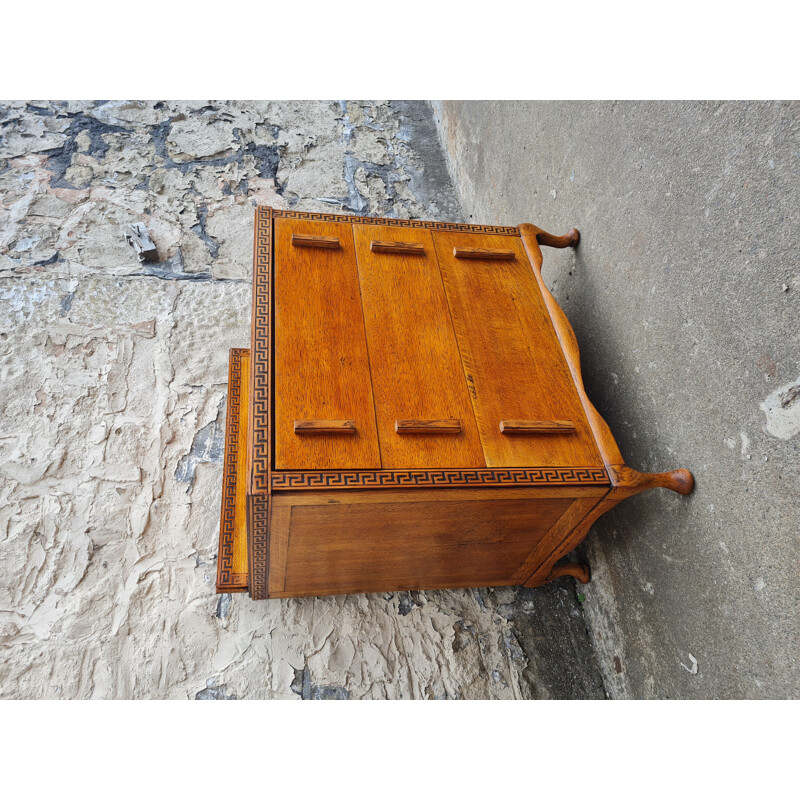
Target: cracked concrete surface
112, 400
685, 297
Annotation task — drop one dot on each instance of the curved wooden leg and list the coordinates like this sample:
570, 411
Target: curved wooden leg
570, 239
578, 571
628, 481
624, 480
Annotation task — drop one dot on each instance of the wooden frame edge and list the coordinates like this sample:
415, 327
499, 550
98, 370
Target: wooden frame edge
570, 541
502, 230
626, 480
227, 579
260, 430
438, 478
567, 529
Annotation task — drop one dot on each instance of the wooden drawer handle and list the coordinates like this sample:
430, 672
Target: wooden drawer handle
478, 252
402, 248
428, 426
536, 426
314, 426
325, 242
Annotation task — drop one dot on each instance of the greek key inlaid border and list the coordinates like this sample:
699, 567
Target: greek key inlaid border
260, 348
539, 476
259, 545
227, 579
501, 230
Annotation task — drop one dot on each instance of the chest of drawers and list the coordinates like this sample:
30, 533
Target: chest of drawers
409, 414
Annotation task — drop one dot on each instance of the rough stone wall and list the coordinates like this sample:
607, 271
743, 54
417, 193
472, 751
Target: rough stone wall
112, 400
685, 297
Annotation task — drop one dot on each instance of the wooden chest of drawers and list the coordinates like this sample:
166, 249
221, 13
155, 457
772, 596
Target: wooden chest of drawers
409, 415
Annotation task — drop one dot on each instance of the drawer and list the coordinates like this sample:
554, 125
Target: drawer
514, 366
422, 406
324, 410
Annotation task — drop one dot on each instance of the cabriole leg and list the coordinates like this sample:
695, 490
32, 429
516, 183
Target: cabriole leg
578, 571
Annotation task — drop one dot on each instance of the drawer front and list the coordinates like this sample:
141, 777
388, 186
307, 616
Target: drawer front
324, 411
423, 410
526, 405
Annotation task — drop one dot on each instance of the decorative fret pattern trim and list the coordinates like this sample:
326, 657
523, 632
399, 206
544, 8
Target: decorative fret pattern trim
539, 476
502, 230
259, 549
261, 347
227, 579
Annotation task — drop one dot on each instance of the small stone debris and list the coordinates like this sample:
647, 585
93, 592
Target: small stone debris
693, 669
138, 238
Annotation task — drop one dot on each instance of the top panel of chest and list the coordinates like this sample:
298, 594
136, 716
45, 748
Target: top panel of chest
401, 345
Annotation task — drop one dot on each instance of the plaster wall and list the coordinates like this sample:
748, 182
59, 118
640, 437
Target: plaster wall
112, 412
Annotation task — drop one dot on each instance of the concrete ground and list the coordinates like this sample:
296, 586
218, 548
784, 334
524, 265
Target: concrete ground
685, 297
112, 411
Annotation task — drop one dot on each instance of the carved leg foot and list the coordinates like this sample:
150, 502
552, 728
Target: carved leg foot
571, 239
629, 481
578, 571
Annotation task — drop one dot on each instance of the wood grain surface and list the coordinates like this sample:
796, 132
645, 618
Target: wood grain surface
531, 237
534, 426
280, 519
321, 363
321, 426
402, 248
360, 496
484, 253
511, 356
405, 540
324, 242
427, 426
416, 369
544, 550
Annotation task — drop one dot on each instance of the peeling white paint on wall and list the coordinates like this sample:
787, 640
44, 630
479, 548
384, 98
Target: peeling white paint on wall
112, 387
782, 408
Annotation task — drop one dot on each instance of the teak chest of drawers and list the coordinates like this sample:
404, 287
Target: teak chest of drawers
409, 415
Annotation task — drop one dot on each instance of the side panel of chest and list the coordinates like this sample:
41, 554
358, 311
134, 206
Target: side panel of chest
348, 542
